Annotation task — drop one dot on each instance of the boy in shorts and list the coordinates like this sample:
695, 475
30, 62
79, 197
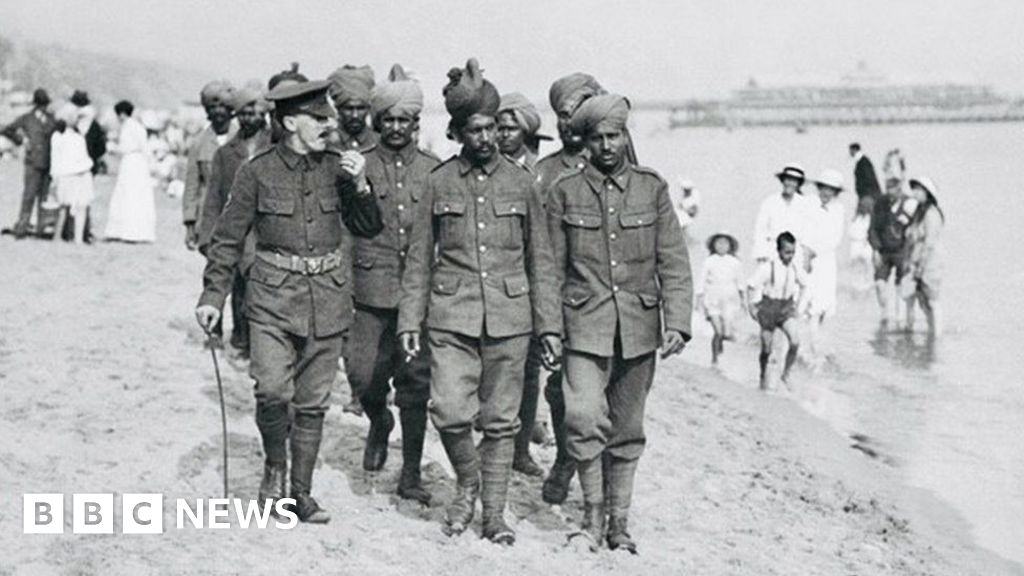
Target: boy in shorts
773, 293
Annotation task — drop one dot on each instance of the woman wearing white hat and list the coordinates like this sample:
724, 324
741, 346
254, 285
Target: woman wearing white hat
824, 233
925, 262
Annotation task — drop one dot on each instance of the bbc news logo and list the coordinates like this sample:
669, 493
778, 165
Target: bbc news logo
144, 514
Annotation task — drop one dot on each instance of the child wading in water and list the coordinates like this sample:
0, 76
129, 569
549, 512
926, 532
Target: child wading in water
773, 293
720, 291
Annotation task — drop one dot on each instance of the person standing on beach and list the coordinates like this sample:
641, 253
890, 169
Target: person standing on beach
131, 213
253, 136
925, 259
34, 129
720, 290
786, 211
773, 296
565, 96
478, 275
397, 170
215, 98
298, 199
623, 269
864, 177
824, 233
518, 124
887, 235
351, 89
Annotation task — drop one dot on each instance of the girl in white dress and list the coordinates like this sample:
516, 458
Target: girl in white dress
720, 290
132, 213
824, 233
71, 168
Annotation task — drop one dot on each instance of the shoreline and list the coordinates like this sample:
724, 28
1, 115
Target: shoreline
104, 387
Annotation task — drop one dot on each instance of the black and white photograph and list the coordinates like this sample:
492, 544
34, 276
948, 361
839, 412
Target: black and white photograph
468, 288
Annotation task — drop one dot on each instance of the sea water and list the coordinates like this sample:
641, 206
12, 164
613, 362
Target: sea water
948, 416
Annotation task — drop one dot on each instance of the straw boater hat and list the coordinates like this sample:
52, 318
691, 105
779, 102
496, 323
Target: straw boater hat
792, 170
830, 178
734, 244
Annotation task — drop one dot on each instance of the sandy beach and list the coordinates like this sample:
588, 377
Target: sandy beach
105, 388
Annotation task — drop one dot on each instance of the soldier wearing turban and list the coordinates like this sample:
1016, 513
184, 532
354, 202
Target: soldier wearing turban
477, 279
518, 123
351, 90
397, 170
621, 259
215, 98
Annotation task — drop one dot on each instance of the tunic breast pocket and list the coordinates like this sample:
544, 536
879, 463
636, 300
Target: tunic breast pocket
509, 216
450, 217
583, 234
639, 234
329, 199
276, 205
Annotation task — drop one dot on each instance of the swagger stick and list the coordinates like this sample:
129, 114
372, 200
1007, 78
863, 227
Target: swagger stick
223, 411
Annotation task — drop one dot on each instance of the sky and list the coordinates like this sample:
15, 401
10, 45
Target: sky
645, 49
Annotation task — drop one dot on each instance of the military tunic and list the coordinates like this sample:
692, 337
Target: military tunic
362, 142
197, 171
479, 276
375, 356
624, 273
301, 206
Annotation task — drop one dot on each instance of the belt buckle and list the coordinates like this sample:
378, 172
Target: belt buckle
313, 266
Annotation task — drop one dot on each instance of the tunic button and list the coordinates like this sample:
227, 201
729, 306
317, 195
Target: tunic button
401, 253
483, 274
401, 207
483, 248
310, 247
481, 177
308, 192
611, 210
579, 164
614, 263
401, 230
481, 225
399, 185
613, 236
480, 199
309, 218
398, 163
615, 288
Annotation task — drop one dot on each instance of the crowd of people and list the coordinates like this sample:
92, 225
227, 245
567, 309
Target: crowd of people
456, 284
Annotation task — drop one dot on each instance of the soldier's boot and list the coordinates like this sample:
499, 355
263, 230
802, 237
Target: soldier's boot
619, 496
381, 424
592, 481
522, 462
463, 457
305, 443
414, 431
556, 485
496, 468
273, 423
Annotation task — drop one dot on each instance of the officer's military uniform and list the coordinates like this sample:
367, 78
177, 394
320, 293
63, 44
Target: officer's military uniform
625, 275
299, 295
375, 355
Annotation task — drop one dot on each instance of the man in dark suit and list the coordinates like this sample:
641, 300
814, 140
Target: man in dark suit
34, 129
864, 174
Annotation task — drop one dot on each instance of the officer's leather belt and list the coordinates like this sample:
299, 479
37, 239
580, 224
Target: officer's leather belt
307, 266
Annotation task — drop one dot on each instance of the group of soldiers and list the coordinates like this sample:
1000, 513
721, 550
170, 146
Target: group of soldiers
451, 281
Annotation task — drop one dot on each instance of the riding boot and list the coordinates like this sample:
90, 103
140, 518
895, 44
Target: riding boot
463, 457
414, 431
496, 468
592, 482
618, 498
556, 485
381, 424
305, 443
272, 421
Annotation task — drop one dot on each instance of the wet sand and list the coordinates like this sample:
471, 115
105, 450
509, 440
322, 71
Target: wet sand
105, 387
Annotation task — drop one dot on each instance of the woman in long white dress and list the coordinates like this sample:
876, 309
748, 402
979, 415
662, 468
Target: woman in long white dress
132, 213
825, 232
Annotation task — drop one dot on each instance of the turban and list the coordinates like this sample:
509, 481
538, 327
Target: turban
351, 83
216, 92
400, 94
467, 93
610, 108
568, 92
525, 112
248, 95
291, 75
